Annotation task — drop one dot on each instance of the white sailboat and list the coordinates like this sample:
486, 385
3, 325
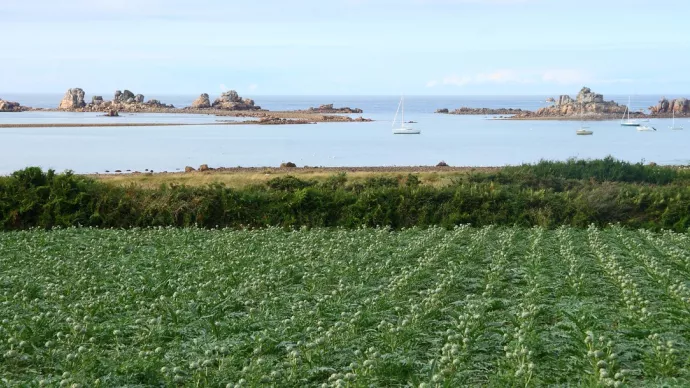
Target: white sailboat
583, 130
644, 128
403, 130
628, 122
673, 123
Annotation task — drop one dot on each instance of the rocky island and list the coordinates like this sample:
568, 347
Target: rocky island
9, 106
592, 105
666, 108
328, 108
122, 102
228, 104
229, 100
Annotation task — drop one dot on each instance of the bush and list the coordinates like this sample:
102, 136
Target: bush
289, 182
522, 196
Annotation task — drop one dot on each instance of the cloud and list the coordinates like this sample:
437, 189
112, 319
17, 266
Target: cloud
252, 87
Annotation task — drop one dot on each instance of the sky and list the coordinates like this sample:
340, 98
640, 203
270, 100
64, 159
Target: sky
346, 47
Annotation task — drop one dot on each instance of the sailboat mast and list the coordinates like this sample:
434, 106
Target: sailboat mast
396, 113
628, 108
402, 101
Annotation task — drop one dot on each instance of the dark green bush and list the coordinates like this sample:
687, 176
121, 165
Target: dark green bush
560, 175
289, 182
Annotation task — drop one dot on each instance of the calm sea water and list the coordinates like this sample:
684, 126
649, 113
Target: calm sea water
458, 140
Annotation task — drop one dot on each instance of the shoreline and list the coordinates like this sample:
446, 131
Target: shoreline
258, 118
238, 177
570, 118
262, 117
308, 169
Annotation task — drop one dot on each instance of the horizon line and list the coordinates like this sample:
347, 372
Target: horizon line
358, 95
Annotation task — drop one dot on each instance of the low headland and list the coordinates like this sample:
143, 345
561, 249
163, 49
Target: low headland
592, 105
438, 175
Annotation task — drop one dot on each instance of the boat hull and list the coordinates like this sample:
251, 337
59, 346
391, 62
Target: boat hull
583, 132
406, 131
630, 124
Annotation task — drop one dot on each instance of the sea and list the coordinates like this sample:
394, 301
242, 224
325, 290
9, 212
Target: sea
475, 140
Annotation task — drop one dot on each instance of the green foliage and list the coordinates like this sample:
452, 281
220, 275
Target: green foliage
552, 173
288, 183
549, 194
491, 306
335, 182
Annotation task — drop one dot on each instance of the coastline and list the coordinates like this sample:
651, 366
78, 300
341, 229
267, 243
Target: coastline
258, 118
245, 176
570, 118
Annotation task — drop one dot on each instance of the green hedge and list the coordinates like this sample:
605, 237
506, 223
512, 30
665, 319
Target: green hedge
548, 194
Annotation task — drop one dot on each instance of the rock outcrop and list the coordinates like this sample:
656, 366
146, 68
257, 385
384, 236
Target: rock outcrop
593, 104
328, 108
203, 102
122, 102
679, 106
125, 97
9, 106
73, 99
232, 101
480, 111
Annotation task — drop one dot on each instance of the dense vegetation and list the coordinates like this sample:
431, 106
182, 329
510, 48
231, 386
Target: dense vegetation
497, 306
549, 194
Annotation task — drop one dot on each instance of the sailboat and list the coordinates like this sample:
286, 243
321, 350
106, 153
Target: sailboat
583, 130
673, 123
403, 130
628, 122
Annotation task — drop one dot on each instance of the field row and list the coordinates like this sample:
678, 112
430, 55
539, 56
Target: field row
333, 307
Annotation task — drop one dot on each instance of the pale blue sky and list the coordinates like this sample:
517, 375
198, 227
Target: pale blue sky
346, 46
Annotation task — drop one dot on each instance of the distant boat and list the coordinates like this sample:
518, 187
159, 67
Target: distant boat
644, 128
628, 122
673, 123
403, 130
583, 130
